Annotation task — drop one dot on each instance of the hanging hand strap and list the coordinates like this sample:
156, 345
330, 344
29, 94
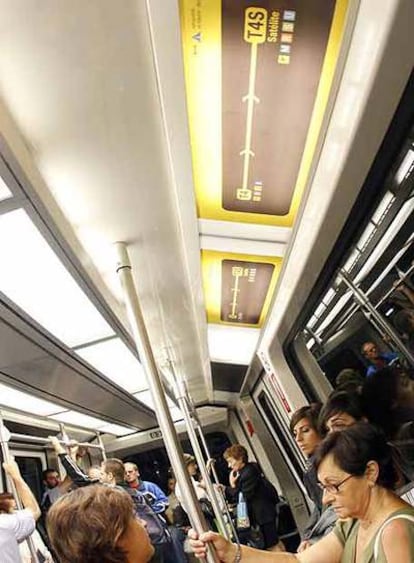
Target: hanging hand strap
379, 533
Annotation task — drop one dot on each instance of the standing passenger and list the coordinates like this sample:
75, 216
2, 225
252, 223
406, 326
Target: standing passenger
157, 497
377, 360
96, 524
304, 427
260, 496
18, 526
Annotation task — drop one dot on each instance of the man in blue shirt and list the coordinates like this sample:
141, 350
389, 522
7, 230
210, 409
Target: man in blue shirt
378, 360
156, 497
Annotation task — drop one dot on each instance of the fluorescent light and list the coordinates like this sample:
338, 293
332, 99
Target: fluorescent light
334, 312
366, 235
116, 361
319, 310
386, 240
176, 414
310, 343
12, 398
234, 345
79, 419
382, 207
34, 278
351, 260
405, 166
146, 398
5, 193
313, 320
389, 312
86, 421
116, 429
330, 294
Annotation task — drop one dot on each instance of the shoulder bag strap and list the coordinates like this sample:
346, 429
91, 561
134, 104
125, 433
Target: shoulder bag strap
379, 533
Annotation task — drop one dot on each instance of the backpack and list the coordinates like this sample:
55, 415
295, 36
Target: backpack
155, 526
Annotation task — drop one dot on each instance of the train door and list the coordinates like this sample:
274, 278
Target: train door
31, 465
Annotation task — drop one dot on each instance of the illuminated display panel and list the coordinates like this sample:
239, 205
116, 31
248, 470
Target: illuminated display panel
238, 288
258, 79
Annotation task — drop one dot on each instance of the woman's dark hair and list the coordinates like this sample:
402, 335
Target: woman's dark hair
380, 398
310, 412
354, 447
5, 499
341, 402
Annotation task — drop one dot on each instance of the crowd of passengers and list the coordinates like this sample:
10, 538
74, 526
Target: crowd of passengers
356, 473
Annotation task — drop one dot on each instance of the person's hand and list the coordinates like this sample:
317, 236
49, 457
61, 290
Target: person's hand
12, 469
209, 464
57, 446
233, 479
304, 545
225, 550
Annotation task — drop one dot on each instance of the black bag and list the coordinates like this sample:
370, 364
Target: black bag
156, 527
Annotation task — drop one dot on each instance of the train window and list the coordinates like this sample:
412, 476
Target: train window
287, 445
154, 464
365, 318
31, 467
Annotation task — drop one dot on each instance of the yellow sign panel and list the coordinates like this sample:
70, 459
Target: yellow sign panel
258, 76
238, 288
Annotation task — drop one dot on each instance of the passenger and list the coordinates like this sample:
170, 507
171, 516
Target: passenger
304, 427
377, 360
349, 380
404, 323
173, 501
341, 410
388, 398
17, 526
51, 481
405, 446
199, 489
260, 495
154, 494
357, 475
8, 506
113, 474
94, 473
97, 524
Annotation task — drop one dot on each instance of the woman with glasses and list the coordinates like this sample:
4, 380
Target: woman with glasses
356, 474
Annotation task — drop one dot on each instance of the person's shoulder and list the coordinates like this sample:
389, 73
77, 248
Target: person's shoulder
9, 520
344, 528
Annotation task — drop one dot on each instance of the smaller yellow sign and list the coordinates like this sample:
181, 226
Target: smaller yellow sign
238, 288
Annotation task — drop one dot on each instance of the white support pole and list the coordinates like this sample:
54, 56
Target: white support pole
182, 403
162, 411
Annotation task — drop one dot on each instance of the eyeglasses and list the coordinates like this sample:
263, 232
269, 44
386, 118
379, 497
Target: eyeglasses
334, 489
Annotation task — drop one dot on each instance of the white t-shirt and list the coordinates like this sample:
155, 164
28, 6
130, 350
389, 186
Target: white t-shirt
199, 490
40, 547
14, 528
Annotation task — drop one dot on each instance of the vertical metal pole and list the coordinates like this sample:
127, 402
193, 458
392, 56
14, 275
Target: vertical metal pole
388, 329
162, 411
101, 444
216, 479
4, 438
211, 493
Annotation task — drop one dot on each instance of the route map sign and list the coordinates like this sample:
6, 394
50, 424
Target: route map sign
258, 76
238, 288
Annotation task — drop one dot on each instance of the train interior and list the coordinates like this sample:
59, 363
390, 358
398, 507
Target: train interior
265, 196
